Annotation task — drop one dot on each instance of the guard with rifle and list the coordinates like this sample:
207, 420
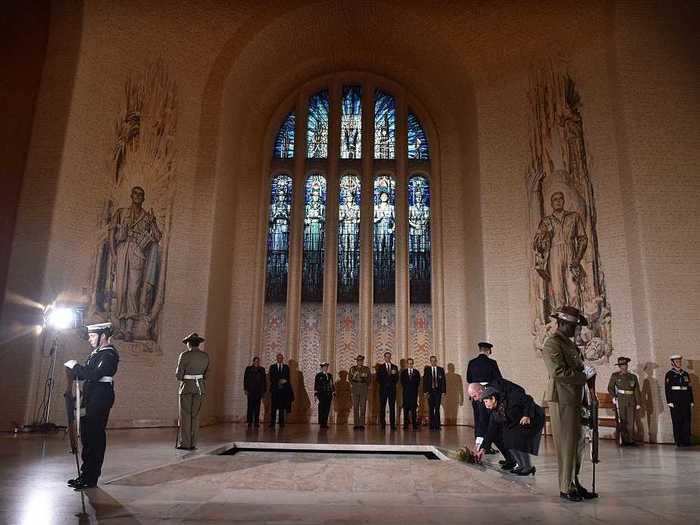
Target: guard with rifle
624, 390
565, 396
93, 406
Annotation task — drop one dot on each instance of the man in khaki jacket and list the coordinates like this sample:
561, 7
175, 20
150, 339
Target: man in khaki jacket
191, 371
564, 396
624, 390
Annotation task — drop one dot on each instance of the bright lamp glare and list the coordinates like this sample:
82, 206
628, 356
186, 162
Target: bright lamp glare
61, 318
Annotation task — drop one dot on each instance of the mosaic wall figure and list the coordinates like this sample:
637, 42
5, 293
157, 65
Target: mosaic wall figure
563, 250
128, 281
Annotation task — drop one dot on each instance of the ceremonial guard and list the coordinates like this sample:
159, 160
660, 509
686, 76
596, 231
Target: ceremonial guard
254, 385
281, 393
482, 369
564, 395
192, 366
434, 386
679, 396
324, 390
624, 390
359, 380
97, 375
410, 382
387, 377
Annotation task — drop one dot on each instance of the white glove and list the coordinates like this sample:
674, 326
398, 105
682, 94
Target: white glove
589, 371
671, 405
639, 406
615, 401
70, 364
478, 442
692, 405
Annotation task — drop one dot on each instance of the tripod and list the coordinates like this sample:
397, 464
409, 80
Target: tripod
43, 424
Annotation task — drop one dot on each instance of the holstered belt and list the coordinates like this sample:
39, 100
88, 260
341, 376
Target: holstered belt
106, 379
679, 388
193, 376
628, 392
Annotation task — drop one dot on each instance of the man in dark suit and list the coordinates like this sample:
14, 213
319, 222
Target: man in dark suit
410, 381
281, 393
254, 385
324, 390
482, 369
434, 386
387, 377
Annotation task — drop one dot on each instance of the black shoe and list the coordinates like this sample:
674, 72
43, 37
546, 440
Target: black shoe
416, 428
526, 472
489, 451
85, 485
503, 461
75, 481
584, 493
362, 427
508, 465
393, 427
572, 495
405, 427
180, 447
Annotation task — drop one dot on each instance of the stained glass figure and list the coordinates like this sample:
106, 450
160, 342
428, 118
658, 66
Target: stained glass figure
384, 125
317, 126
278, 239
384, 247
419, 238
349, 239
351, 123
314, 231
284, 143
417, 140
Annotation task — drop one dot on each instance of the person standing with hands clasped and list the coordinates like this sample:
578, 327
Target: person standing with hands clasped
679, 396
254, 385
324, 390
387, 377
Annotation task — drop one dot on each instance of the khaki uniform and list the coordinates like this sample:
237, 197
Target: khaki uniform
564, 396
191, 371
359, 379
625, 388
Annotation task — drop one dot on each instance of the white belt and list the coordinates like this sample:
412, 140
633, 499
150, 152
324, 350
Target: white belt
630, 392
106, 379
193, 376
484, 384
679, 388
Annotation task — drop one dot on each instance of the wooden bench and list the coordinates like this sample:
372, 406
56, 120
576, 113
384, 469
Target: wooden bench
606, 414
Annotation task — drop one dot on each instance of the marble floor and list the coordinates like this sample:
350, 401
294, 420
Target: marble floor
145, 480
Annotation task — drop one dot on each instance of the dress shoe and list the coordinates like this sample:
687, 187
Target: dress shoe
180, 447
405, 427
84, 484
75, 481
508, 465
572, 495
503, 461
393, 427
584, 493
526, 472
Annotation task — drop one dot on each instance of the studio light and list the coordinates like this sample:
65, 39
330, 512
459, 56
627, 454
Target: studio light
60, 317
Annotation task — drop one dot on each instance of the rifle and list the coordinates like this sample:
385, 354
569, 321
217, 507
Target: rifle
72, 403
595, 458
618, 423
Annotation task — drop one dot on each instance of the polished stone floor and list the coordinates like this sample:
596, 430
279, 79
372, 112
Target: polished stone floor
145, 480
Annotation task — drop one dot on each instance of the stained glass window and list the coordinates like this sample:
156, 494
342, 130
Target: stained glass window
384, 254
417, 140
419, 238
351, 123
278, 239
349, 239
317, 126
284, 143
314, 232
384, 125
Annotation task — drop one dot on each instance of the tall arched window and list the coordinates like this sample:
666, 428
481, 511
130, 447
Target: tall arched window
350, 257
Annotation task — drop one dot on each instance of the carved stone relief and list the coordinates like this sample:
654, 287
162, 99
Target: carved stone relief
563, 253
128, 281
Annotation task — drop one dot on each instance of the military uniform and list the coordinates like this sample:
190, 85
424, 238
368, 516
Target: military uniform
192, 367
564, 396
324, 389
97, 400
359, 379
482, 369
679, 396
624, 388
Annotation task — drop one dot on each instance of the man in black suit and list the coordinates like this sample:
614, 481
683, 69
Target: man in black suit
434, 385
482, 369
410, 381
387, 377
254, 385
281, 393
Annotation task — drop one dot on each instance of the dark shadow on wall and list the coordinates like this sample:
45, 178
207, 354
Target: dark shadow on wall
301, 408
695, 411
27, 267
343, 399
454, 397
651, 390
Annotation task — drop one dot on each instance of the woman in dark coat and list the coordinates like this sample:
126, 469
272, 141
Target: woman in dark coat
519, 418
